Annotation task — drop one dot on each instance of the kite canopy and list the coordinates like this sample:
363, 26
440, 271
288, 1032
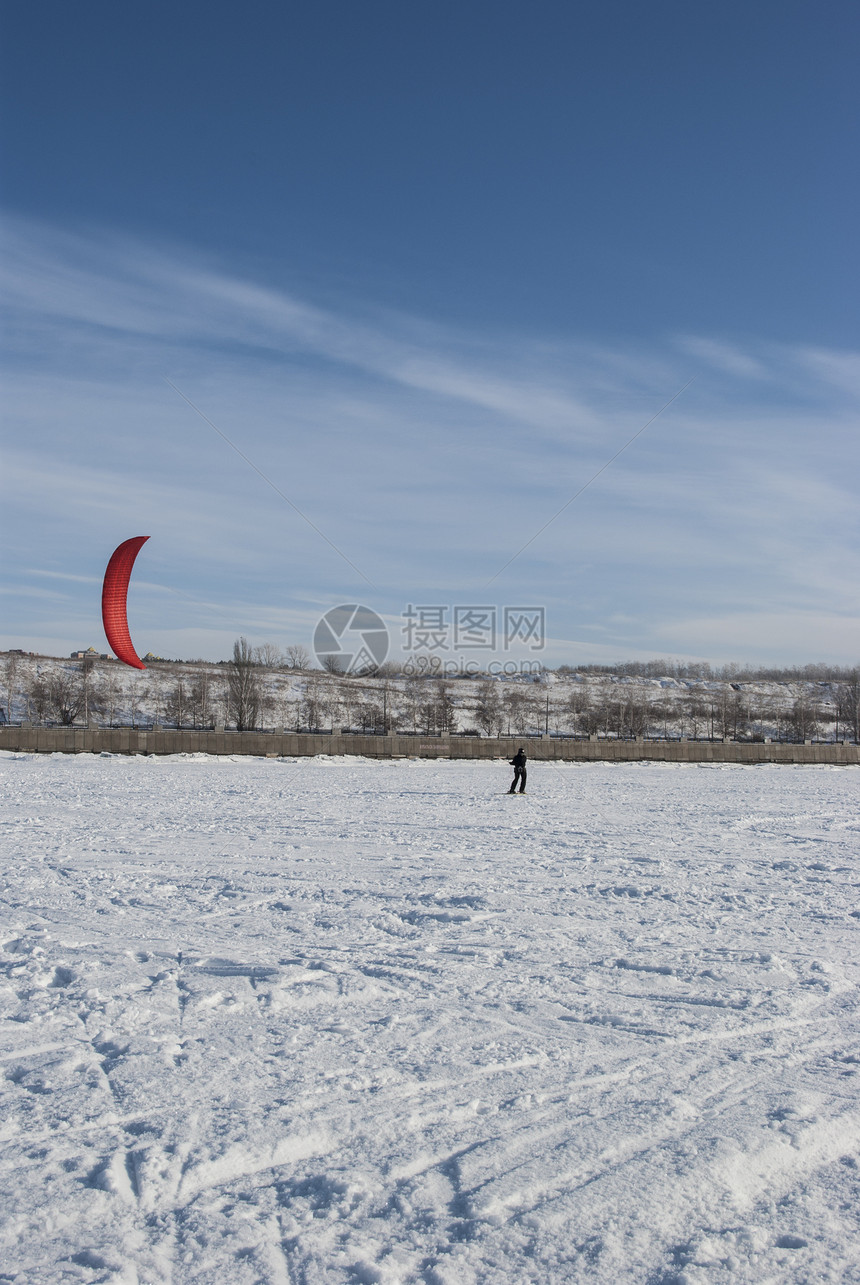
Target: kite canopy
114, 593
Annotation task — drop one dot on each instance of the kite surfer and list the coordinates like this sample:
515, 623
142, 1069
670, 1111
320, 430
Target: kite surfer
518, 763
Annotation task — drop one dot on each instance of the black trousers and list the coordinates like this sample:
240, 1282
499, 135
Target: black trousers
519, 775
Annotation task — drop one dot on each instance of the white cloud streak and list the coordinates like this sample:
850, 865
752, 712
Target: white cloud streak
427, 453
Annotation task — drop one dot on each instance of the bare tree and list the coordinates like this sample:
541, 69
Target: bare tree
10, 677
736, 716
314, 704
446, 708
158, 695
616, 715
410, 703
177, 706
268, 655
638, 714
523, 710
578, 706
759, 710
333, 664
296, 657
86, 672
488, 709
244, 689
369, 712
550, 714
518, 710
39, 697
398, 710
443, 714
695, 714
802, 720
597, 714
200, 699
338, 700
425, 712
827, 717
109, 693
66, 696
136, 696
280, 703
848, 706
729, 714
432, 709
512, 704
382, 698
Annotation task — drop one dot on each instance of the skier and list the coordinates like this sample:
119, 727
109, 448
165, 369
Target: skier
518, 763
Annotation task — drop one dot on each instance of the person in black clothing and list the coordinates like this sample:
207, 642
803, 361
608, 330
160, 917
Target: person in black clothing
518, 763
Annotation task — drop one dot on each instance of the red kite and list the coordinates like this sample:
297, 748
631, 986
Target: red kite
114, 592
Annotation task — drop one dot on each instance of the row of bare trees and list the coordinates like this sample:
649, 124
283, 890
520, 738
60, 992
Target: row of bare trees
270, 656
250, 691
718, 715
68, 696
383, 706
633, 712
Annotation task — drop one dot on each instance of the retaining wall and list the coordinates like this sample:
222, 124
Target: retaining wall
124, 740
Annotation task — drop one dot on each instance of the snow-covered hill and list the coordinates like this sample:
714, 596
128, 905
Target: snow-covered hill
564, 702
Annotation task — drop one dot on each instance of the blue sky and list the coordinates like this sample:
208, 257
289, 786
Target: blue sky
429, 267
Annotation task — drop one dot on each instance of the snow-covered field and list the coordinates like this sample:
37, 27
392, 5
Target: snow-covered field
330, 1021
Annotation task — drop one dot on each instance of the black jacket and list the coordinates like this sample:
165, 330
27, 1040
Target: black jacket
519, 759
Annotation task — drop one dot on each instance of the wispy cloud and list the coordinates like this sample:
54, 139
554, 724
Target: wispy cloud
724, 356
61, 575
121, 288
840, 369
814, 635
427, 453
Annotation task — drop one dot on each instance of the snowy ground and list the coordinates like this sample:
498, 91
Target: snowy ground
332, 1021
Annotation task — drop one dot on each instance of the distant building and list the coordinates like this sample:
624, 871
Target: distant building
90, 654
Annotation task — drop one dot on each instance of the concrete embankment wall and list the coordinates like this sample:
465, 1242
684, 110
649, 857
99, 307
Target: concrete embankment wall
123, 740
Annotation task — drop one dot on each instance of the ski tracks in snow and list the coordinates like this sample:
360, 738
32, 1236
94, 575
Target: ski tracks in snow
379, 1026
